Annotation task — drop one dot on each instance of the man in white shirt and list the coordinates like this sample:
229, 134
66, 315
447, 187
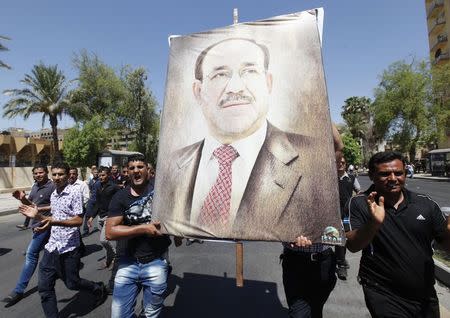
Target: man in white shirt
84, 189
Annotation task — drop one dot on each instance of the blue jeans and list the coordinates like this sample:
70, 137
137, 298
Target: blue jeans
130, 278
36, 245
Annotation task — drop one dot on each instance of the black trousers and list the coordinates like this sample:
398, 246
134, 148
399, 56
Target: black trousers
308, 283
340, 255
383, 303
65, 266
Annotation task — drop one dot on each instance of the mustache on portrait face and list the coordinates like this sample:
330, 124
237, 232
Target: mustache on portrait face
235, 97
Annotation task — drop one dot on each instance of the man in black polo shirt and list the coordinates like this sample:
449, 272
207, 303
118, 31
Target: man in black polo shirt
141, 261
395, 228
39, 196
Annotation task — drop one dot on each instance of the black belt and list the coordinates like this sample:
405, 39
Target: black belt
313, 257
145, 259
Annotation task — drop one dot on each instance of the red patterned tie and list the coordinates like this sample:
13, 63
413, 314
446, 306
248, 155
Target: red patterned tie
216, 208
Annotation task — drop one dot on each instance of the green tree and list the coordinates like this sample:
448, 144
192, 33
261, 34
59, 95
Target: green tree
82, 143
140, 114
100, 90
358, 114
4, 48
45, 93
352, 150
401, 106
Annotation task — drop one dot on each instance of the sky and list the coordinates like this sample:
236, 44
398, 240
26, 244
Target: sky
360, 38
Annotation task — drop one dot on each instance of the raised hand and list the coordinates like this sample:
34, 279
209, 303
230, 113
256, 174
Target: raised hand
28, 210
377, 210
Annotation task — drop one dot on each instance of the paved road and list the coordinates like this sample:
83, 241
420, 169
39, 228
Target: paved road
202, 283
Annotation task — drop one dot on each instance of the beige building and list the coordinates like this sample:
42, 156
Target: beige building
438, 22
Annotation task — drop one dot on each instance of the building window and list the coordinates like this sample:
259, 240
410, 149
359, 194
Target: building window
438, 53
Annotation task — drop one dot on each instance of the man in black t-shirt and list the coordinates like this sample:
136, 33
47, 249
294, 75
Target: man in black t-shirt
348, 183
395, 228
141, 256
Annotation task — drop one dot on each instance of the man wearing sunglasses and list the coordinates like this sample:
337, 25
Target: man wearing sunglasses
395, 229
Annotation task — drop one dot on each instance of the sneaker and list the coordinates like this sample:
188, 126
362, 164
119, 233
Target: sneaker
100, 293
22, 227
341, 272
12, 299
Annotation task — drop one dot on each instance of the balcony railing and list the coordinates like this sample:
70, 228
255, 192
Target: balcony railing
441, 38
434, 5
441, 57
440, 20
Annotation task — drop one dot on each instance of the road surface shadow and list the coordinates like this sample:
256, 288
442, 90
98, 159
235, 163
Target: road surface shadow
4, 251
91, 248
80, 304
212, 296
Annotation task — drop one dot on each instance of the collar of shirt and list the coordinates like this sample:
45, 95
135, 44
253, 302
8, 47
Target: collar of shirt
67, 189
344, 175
48, 183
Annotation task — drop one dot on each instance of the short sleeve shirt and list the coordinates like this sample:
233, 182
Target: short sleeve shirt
40, 195
400, 255
137, 210
65, 205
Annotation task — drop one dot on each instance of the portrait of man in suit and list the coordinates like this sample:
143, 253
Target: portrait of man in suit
246, 178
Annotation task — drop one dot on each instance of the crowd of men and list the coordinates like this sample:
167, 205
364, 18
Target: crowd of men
393, 226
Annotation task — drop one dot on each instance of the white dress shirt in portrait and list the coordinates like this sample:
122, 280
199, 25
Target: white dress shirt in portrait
247, 149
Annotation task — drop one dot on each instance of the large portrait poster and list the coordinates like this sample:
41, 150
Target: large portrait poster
246, 149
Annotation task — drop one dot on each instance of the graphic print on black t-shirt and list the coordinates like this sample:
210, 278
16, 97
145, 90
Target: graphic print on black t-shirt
140, 211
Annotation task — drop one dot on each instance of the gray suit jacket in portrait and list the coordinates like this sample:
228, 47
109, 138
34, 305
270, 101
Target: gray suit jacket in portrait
288, 192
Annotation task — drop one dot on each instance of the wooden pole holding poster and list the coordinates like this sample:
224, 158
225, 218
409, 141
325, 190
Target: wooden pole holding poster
239, 245
239, 264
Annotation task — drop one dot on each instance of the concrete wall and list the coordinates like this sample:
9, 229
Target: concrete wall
17, 177
22, 177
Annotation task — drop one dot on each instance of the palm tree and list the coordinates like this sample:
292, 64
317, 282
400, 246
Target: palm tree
45, 93
4, 48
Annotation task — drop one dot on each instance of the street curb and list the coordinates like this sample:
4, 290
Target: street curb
438, 179
441, 272
8, 212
